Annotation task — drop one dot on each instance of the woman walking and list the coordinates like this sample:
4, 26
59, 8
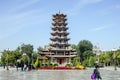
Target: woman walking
97, 73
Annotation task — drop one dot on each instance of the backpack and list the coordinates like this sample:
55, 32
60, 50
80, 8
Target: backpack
93, 76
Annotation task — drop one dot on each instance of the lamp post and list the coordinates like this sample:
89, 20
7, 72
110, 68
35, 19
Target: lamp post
114, 54
7, 50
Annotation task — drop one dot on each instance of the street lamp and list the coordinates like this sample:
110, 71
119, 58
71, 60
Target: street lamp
114, 50
7, 50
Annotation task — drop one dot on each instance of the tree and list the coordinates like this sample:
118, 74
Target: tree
87, 54
107, 58
34, 56
16, 55
28, 49
73, 46
3, 58
25, 59
39, 50
83, 46
102, 58
118, 57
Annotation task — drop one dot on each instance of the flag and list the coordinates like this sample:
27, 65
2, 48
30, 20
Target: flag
36, 63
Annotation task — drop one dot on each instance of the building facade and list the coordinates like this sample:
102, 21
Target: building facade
59, 51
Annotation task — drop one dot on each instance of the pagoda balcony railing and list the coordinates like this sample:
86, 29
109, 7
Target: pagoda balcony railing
64, 29
63, 37
59, 43
51, 53
73, 53
59, 24
61, 55
57, 31
60, 49
59, 27
58, 37
63, 43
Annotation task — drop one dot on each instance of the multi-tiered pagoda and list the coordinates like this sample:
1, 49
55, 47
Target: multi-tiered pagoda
59, 51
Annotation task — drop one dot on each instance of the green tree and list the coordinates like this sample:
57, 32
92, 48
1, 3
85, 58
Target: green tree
73, 46
118, 57
3, 57
28, 49
87, 54
39, 50
83, 46
92, 61
102, 58
34, 56
107, 58
25, 59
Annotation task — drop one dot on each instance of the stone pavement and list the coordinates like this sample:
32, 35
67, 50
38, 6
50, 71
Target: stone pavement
13, 74
111, 68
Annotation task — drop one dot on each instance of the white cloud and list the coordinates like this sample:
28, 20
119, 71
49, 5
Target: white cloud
22, 6
11, 24
85, 2
100, 28
81, 4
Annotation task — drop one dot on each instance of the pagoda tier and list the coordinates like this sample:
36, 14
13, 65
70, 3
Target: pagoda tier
59, 44
53, 34
57, 15
59, 33
59, 24
59, 28
56, 19
58, 39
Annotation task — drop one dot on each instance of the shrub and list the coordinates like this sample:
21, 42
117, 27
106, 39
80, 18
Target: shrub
55, 64
68, 65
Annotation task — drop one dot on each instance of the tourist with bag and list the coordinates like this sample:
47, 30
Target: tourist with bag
97, 73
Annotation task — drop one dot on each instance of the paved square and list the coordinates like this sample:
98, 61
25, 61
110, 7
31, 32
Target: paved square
57, 74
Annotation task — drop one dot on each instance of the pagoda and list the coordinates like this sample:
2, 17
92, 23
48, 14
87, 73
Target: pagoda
59, 51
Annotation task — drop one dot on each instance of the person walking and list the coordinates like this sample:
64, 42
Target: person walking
97, 73
17, 64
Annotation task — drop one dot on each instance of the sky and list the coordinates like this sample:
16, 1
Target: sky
29, 22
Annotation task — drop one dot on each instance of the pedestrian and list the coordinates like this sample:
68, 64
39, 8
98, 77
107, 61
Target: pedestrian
17, 64
97, 73
22, 66
25, 67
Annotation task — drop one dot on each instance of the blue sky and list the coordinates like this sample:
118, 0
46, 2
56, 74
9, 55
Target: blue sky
29, 22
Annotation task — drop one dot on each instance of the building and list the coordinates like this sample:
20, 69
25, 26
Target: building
97, 52
59, 51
